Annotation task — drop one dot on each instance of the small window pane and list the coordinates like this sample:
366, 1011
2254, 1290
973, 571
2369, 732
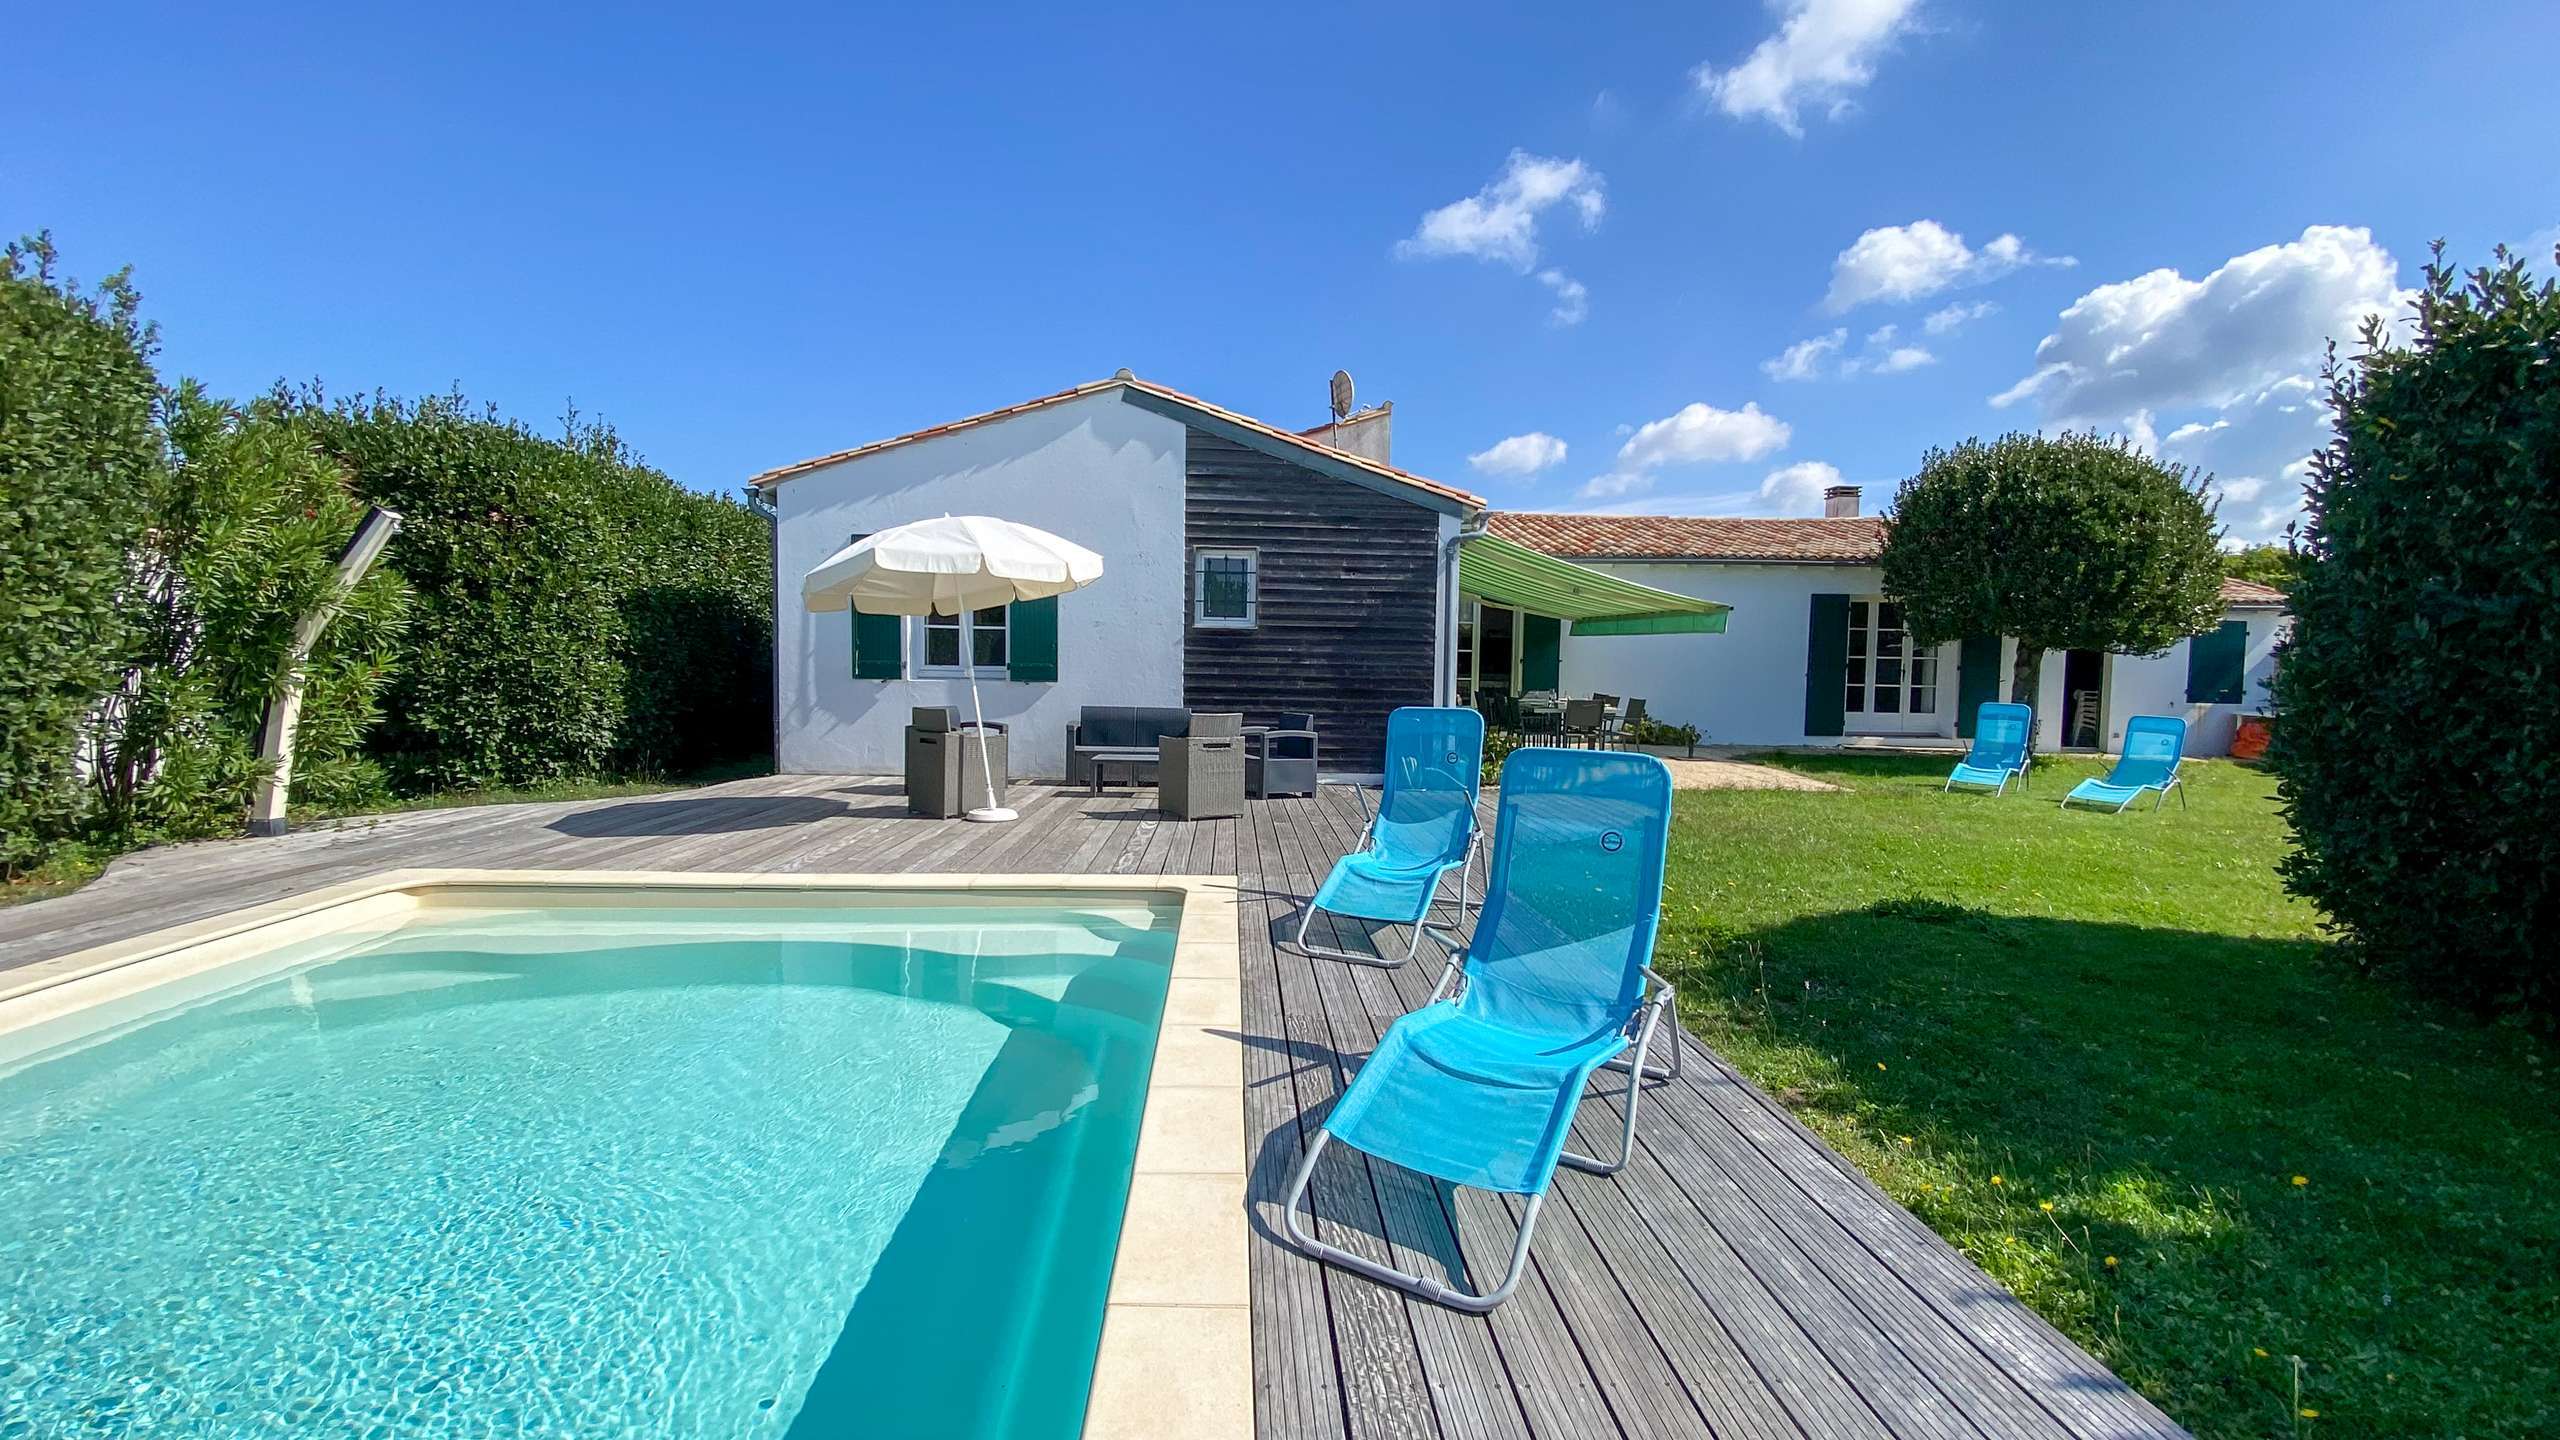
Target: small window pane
1888, 698
987, 637
1225, 583
942, 640
1857, 702
1924, 700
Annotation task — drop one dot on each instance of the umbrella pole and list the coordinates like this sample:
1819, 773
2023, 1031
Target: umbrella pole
986, 768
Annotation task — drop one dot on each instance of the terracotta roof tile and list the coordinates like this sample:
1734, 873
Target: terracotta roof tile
1386, 472
1858, 541
2249, 592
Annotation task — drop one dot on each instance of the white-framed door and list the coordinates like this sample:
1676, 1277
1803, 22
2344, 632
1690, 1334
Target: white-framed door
1892, 684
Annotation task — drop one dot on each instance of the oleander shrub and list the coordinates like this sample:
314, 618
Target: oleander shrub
246, 542
80, 467
2417, 757
576, 612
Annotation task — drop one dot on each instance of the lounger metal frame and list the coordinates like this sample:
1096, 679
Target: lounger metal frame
1646, 1018
1465, 870
2018, 773
2159, 802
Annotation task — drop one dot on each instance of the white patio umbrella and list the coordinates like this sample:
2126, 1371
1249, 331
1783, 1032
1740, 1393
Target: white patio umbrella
951, 566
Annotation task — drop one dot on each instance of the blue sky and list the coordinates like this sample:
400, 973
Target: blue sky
744, 235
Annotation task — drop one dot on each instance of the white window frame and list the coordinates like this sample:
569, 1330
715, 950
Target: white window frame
1252, 559
1865, 658
922, 650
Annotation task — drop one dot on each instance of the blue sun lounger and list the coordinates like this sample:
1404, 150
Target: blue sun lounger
1999, 751
2153, 746
1480, 1085
1424, 829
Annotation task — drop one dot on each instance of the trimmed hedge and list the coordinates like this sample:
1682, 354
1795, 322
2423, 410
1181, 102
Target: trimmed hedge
79, 470
2418, 758
577, 613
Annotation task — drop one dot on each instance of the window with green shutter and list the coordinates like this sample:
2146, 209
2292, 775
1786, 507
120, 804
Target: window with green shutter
1541, 653
1032, 639
2218, 665
1977, 679
879, 641
1826, 665
878, 647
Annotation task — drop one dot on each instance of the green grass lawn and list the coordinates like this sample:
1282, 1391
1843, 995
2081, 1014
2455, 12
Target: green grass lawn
2114, 1062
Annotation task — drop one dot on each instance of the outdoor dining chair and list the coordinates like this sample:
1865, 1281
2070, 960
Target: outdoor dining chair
1425, 828
2153, 747
1622, 727
1480, 1085
1999, 752
1585, 721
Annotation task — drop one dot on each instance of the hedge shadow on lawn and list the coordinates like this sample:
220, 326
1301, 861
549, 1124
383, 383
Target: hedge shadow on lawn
2162, 1088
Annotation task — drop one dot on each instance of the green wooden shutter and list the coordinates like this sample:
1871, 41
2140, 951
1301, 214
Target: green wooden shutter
878, 647
1826, 665
879, 641
1031, 640
1977, 679
1541, 652
2218, 664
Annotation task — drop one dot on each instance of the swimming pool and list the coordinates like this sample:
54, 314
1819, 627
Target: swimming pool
632, 1163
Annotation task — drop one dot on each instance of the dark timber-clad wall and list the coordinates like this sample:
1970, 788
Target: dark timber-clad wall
1347, 583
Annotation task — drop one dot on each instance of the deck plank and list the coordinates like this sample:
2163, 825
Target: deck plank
1738, 1279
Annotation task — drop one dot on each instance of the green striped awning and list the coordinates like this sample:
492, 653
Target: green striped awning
1508, 573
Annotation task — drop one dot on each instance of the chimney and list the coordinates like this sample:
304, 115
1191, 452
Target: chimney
1364, 433
1840, 502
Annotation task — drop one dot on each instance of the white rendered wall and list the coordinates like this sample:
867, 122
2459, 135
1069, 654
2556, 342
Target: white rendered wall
1095, 470
2157, 685
1745, 686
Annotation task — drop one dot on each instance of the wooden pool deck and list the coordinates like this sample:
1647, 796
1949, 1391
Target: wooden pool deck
1738, 1279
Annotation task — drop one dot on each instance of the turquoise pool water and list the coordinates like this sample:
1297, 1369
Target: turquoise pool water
593, 1172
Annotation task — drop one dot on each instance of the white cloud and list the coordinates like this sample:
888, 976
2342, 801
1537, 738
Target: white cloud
1615, 483
1909, 262
1696, 434
1803, 360
1721, 502
1823, 53
1573, 299
1796, 490
1700, 434
1955, 317
2258, 452
1520, 455
2161, 340
2232, 358
1901, 358
1500, 222
1806, 359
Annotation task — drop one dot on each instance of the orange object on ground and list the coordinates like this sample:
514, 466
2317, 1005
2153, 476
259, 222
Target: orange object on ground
2249, 739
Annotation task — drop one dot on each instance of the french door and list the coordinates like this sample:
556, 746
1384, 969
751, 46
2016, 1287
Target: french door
1892, 684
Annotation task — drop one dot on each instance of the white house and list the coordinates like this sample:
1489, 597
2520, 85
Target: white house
1814, 652
1265, 570
1248, 568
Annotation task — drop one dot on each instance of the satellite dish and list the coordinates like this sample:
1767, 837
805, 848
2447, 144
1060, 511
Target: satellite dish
1341, 394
